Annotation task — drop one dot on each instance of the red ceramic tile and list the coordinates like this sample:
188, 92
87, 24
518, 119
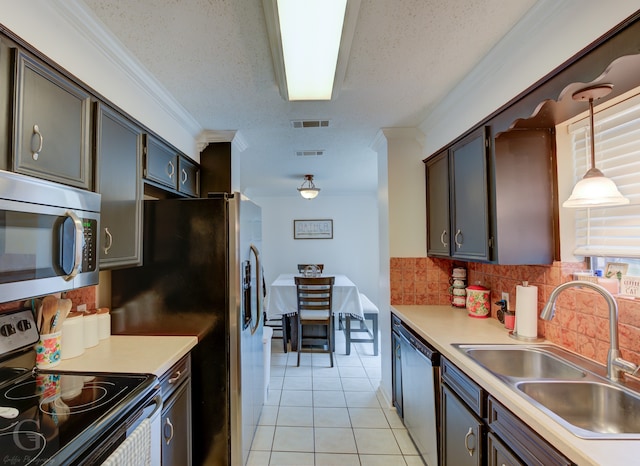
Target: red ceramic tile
408, 299
395, 263
629, 312
586, 325
586, 347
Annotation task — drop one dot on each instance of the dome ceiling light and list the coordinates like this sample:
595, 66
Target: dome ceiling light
308, 190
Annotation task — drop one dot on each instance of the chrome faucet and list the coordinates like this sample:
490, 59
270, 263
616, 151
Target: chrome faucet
615, 364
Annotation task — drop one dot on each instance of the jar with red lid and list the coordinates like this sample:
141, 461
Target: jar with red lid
478, 301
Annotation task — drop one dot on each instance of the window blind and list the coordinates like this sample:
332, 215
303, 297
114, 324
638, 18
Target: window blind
610, 231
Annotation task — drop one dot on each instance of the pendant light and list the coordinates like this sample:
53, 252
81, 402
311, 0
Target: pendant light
594, 189
308, 190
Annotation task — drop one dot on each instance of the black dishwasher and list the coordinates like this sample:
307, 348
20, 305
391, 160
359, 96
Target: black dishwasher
420, 388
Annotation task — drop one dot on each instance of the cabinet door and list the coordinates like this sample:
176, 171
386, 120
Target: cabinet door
161, 163
396, 371
176, 428
498, 454
462, 433
189, 181
119, 181
470, 201
51, 131
438, 234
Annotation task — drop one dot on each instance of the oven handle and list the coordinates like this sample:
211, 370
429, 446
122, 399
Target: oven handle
158, 402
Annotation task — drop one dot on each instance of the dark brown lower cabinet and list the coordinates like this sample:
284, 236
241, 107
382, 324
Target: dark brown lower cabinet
525, 443
498, 454
176, 415
478, 430
462, 432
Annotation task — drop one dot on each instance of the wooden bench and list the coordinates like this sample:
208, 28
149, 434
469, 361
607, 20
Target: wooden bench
370, 311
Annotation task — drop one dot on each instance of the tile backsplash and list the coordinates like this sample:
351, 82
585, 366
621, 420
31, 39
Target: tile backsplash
581, 322
86, 295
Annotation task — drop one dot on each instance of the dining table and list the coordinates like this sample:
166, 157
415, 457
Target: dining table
282, 302
282, 298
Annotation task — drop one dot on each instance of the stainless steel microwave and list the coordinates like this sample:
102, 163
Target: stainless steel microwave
48, 237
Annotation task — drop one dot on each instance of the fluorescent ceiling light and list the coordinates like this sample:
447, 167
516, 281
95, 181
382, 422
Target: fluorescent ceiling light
310, 42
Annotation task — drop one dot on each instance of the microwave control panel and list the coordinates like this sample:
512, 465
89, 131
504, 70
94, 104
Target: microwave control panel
89, 248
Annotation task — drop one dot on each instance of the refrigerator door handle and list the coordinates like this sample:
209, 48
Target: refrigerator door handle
256, 325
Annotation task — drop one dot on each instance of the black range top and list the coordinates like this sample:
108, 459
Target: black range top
50, 417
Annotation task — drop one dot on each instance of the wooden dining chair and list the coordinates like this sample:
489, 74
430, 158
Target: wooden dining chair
315, 297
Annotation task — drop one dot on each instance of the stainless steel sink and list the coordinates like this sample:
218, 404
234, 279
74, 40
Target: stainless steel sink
597, 410
525, 363
569, 388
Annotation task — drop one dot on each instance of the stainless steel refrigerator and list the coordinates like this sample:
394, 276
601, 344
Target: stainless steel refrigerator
202, 276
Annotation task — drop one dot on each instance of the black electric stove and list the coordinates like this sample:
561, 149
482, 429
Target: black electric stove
50, 417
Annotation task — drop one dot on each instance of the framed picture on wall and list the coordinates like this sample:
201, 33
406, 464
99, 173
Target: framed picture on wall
313, 229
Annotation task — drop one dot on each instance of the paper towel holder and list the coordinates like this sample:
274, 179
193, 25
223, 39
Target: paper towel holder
513, 334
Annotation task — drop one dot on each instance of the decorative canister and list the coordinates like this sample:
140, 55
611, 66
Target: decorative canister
73, 335
104, 323
458, 283
478, 302
90, 321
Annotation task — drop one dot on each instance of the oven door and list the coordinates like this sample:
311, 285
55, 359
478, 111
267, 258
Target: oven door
45, 249
121, 440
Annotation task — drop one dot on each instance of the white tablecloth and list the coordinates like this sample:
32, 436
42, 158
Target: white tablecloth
282, 300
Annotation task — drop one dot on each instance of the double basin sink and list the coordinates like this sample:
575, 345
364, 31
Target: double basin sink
573, 390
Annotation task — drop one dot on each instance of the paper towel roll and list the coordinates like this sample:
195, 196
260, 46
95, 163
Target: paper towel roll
527, 311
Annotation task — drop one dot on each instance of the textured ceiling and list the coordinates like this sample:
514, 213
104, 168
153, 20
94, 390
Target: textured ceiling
213, 56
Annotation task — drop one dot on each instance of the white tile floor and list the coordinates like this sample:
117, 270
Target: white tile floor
319, 415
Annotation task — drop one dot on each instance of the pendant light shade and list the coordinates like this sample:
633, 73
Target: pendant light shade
594, 189
308, 190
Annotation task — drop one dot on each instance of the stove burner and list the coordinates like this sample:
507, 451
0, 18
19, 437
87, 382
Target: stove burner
24, 447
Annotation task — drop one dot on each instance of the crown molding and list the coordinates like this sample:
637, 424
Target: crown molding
82, 19
208, 136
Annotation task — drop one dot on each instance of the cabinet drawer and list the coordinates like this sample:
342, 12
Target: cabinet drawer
472, 394
524, 441
175, 376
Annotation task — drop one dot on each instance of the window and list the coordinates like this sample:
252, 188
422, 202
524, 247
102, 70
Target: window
610, 231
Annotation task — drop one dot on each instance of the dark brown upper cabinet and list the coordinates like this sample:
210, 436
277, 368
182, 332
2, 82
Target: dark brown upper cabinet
52, 124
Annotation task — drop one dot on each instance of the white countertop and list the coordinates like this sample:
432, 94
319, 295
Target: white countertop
443, 326
131, 354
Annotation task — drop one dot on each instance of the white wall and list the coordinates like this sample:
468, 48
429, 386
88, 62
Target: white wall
406, 193
353, 251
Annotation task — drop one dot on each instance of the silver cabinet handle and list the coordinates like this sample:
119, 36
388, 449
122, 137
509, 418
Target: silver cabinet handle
35, 154
184, 176
458, 243
175, 378
171, 170
109, 237
168, 438
466, 441
444, 243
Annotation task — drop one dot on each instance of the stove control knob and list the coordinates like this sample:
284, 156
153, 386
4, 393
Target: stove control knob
7, 330
24, 325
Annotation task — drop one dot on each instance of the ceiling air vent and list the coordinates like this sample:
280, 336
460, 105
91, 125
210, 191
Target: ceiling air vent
309, 153
310, 123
